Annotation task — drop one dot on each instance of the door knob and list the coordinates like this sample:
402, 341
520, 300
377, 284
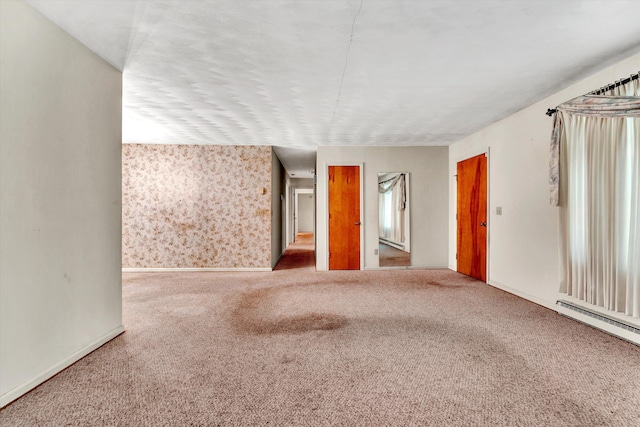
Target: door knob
357, 223
483, 224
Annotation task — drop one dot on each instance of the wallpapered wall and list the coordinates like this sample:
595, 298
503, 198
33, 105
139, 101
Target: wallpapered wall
191, 206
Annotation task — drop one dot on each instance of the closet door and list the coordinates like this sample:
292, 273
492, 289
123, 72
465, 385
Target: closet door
344, 217
472, 217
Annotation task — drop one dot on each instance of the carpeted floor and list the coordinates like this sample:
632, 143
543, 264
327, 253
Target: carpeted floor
391, 257
299, 255
357, 348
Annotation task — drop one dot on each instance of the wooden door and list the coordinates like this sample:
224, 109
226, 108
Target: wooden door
344, 217
472, 217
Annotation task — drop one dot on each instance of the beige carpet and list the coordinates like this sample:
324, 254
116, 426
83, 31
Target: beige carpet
305, 348
299, 255
389, 256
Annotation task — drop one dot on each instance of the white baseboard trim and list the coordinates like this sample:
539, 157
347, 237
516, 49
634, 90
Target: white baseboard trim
15, 393
428, 267
524, 295
189, 270
408, 267
273, 266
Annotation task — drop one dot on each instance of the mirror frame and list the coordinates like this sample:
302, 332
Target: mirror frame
400, 246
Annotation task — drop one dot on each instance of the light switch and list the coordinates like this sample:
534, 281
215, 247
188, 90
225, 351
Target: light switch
499, 210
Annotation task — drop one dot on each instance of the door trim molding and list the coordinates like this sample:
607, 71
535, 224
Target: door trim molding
326, 200
296, 193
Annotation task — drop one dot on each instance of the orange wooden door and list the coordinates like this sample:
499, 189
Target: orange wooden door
472, 217
344, 217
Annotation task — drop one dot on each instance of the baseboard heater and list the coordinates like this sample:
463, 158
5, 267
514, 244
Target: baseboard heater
391, 243
598, 316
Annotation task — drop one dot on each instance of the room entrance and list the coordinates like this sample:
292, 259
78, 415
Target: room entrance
304, 211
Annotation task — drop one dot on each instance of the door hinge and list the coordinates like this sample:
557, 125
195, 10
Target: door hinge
329, 255
456, 255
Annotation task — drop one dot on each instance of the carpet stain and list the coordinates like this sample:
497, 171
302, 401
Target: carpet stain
285, 360
421, 285
440, 284
252, 315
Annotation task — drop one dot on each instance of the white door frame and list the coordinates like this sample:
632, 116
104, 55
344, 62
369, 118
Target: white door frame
297, 193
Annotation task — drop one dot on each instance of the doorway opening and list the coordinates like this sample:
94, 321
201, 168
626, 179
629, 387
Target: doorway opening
299, 255
300, 225
303, 212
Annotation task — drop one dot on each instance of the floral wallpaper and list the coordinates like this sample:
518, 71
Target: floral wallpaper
191, 206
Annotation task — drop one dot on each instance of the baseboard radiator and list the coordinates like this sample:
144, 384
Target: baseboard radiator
391, 243
598, 316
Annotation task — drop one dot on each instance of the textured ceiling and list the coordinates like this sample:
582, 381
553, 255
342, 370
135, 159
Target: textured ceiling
305, 73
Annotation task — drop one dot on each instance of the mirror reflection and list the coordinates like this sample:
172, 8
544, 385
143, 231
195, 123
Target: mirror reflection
394, 225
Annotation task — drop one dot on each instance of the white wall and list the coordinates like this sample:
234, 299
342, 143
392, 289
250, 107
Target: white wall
524, 240
429, 199
60, 200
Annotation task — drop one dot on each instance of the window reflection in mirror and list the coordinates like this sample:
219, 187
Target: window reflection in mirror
394, 225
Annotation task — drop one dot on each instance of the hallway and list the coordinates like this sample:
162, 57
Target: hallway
299, 255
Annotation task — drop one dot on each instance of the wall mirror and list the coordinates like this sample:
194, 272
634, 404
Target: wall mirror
394, 223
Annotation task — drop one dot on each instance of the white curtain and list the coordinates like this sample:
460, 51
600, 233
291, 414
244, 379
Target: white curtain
391, 205
600, 207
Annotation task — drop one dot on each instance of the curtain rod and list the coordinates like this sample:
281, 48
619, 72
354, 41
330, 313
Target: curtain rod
551, 111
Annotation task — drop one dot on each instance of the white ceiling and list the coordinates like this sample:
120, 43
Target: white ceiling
299, 74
